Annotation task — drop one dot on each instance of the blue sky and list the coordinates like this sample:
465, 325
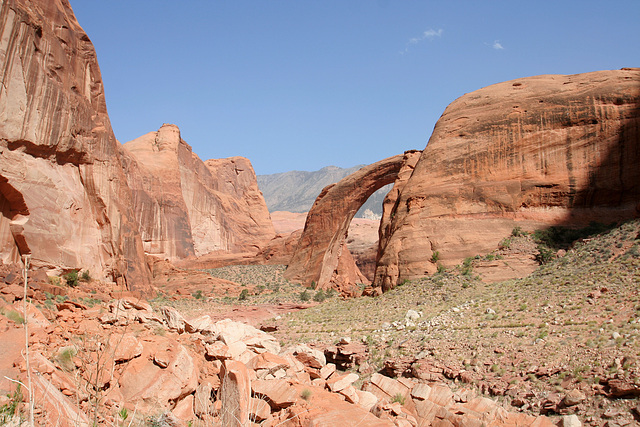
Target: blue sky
303, 84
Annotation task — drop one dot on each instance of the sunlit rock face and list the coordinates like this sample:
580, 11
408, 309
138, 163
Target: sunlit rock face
186, 207
531, 152
64, 196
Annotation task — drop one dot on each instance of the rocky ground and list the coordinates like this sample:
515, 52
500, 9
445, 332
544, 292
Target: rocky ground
457, 347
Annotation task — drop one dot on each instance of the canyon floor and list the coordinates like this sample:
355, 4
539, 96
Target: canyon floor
562, 340
568, 330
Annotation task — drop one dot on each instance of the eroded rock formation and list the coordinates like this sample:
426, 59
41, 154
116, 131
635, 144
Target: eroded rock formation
321, 255
186, 207
64, 196
531, 152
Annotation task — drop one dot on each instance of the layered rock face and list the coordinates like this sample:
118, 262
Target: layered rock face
63, 194
533, 152
186, 207
321, 255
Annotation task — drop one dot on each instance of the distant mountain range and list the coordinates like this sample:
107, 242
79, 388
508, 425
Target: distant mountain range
295, 191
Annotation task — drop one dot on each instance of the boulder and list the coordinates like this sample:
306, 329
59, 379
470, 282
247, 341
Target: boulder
173, 375
235, 393
279, 393
308, 356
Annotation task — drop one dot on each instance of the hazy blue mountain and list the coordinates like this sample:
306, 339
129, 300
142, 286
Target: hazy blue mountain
295, 191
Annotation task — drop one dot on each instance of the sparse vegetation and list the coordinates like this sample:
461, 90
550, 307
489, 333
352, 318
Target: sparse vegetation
10, 409
305, 394
71, 278
15, 317
398, 397
320, 296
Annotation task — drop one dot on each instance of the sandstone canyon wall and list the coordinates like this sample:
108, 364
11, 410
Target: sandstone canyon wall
63, 194
533, 152
186, 207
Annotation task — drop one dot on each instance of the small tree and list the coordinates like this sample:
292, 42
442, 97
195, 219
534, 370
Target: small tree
71, 278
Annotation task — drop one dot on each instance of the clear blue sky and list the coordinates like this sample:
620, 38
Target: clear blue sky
303, 84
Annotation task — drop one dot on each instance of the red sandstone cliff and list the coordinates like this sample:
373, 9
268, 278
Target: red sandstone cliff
186, 207
531, 152
63, 193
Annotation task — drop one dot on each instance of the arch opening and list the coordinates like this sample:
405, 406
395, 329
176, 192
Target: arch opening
322, 256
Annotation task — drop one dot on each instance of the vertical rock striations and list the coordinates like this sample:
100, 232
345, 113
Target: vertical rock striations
186, 207
63, 193
537, 151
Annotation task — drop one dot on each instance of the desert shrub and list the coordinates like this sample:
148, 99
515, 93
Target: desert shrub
305, 394
505, 243
545, 254
243, 295
305, 296
467, 266
320, 296
123, 414
11, 408
65, 358
314, 285
86, 276
517, 231
435, 256
198, 294
398, 397
441, 269
15, 317
71, 278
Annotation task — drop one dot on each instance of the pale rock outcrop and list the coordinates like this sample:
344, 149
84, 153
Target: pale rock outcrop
63, 195
532, 152
186, 207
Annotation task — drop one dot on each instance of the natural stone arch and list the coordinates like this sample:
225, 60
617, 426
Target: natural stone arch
321, 255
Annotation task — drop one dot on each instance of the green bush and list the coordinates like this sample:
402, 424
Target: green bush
243, 295
517, 231
198, 294
15, 317
467, 266
86, 276
71, 278
305, 296
435, 256
305, 394
319, 296
10, 409
398, 397
544, 255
